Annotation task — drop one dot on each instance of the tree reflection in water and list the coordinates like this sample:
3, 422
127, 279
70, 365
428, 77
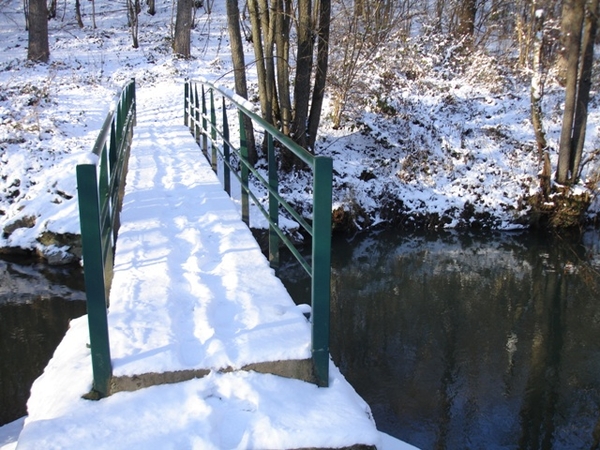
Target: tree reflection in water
461, 341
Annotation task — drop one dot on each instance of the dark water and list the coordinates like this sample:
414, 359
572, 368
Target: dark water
470, 342
36, 304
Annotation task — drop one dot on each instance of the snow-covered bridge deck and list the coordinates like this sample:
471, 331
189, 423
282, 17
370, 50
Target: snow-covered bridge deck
193, 304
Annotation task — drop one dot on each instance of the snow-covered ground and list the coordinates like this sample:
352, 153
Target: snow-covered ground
9, 434
428, 144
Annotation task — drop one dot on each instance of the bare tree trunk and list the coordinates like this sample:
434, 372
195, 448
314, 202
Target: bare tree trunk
151, 7
94, 13
268, 30
78, 14
573, 14
239, 70
26, 13
132, 14
439, 13
259, 54
583, 92
321, 73
282, 46
304, 63
38, 49
237, 48
271, 26
52, 9
537, 93
359, 8
466, 20
183, 27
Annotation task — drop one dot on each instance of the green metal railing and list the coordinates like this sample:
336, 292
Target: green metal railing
100, 190
205, 128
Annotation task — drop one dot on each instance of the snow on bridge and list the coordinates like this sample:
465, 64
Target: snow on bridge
197, 318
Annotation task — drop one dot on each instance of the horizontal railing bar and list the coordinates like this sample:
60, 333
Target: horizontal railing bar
278, 230
104, 134
283, 202
289, 244
300, 152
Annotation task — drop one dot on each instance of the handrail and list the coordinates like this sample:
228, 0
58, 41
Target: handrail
100, 190
204, 128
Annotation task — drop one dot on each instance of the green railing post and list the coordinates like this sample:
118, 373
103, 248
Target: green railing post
321, 267
213, 132
226, 152
186, 103
204, 124
87, 186
133, 101
245, 173
197, 131
103, 184
273, 205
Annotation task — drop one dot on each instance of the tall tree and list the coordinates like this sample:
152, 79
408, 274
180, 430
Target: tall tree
78, 13
536, 94
321, 72
578, 46
263, 53
583, 88
38, 49
133, 10
239, 69
52, 9
151, 7
467, 12
26, 12
183, 28
271, 30
304, 65
282, 19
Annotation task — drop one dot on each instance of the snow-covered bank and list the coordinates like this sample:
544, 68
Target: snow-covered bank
429, 145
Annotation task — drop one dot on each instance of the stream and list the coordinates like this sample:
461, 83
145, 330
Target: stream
456, 341
462, 341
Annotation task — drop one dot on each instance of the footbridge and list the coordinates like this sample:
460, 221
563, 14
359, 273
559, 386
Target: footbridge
191, 341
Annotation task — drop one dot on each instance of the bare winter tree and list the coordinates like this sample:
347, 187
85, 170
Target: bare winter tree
583, 88
151, 7
133, 11
26, 12
239, 69
183, 27
271, 30
579, 25
537, 92
466, 14
38, 49
52, 9
359, 30
78, 13
94, 13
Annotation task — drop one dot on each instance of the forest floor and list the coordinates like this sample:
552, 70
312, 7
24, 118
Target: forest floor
437, 139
